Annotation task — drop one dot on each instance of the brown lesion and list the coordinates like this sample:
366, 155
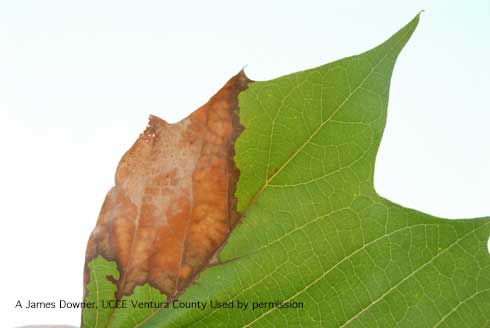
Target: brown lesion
173, 204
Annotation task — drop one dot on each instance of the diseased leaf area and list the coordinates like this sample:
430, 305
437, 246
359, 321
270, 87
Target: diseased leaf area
173, 203
311, 228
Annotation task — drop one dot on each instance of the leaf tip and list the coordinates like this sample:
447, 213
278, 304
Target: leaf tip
398, 40
242, 76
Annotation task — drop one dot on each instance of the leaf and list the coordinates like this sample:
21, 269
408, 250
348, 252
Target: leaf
314, 241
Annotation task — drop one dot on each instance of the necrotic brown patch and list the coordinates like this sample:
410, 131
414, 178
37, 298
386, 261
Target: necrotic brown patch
173, 203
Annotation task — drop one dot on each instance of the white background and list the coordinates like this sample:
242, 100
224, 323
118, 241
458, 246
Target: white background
78, 80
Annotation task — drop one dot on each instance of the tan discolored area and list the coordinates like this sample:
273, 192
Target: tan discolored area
173, 203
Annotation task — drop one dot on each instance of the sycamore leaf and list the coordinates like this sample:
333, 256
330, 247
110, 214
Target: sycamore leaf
263, 202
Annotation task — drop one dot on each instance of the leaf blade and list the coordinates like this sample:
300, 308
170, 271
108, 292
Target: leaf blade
315, 231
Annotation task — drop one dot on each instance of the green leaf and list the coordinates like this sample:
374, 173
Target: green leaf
99, 289
315, 237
